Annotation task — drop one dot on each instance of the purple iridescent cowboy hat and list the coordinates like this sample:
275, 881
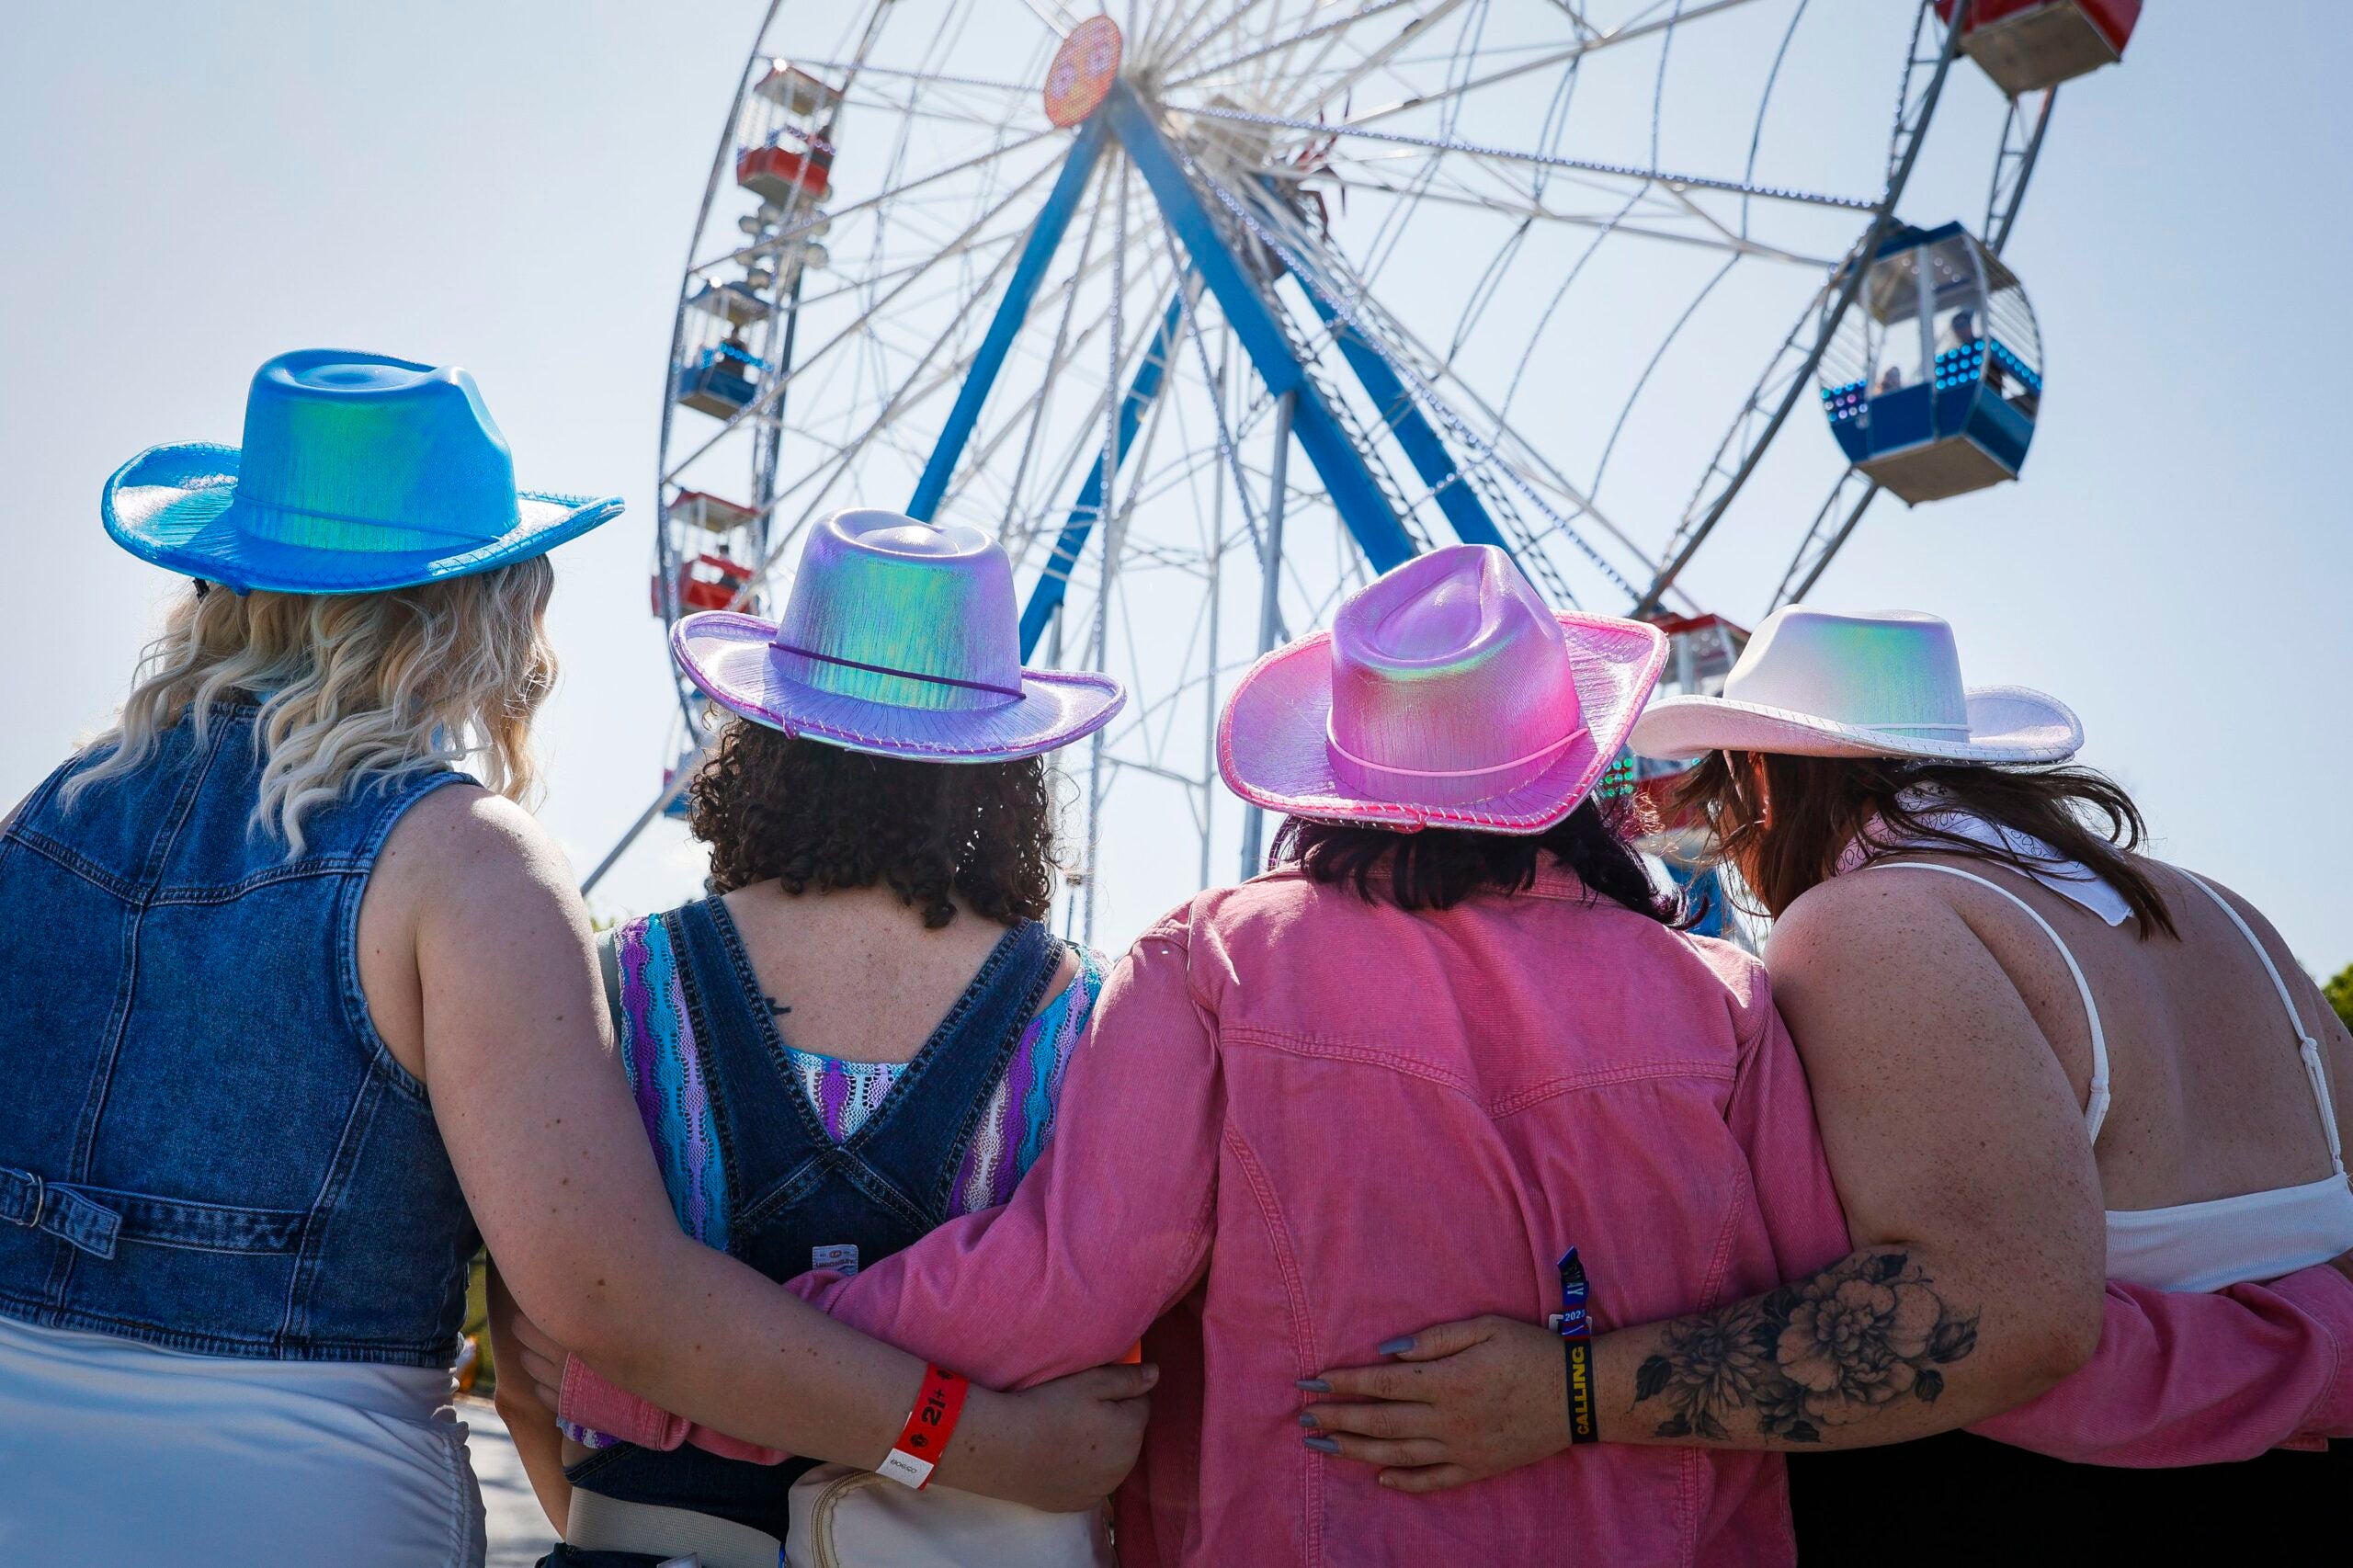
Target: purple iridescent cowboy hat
1445, 694
899, 638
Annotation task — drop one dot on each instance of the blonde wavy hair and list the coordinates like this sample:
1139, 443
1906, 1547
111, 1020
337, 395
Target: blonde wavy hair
350, 684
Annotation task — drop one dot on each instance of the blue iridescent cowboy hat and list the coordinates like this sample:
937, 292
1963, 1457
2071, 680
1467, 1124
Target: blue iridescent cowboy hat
359, 472
899, 638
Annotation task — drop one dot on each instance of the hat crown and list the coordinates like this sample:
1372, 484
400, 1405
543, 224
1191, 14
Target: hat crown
1450, 681
1896, 672
371, 454
887, 609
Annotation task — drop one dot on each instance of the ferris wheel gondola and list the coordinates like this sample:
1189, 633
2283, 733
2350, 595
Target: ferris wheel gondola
1213, 308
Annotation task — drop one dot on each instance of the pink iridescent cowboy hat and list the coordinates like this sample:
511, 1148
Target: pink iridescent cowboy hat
1445, 694
899, 638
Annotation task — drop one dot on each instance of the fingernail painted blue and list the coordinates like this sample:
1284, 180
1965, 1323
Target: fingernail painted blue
1307, 1418
1322, 1445
1313, 1385
1394, 1347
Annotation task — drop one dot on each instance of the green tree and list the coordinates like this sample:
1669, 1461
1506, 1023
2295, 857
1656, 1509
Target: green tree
2339, 993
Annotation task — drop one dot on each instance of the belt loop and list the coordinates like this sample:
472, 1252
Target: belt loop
41, 1197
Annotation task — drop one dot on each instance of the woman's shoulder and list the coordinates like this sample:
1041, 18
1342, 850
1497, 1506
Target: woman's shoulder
464, 849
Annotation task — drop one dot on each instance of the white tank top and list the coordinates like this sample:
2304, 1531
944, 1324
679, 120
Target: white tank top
2223, 1241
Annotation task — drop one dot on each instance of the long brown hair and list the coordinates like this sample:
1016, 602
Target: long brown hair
1789, 838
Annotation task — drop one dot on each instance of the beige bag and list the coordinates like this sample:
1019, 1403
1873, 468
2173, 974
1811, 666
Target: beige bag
854, 1518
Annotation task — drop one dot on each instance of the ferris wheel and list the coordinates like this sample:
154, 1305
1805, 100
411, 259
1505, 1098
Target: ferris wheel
1215, 309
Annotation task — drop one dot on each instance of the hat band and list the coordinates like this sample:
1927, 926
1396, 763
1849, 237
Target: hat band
1541, 753
1013, 691
311, 528
1908, 729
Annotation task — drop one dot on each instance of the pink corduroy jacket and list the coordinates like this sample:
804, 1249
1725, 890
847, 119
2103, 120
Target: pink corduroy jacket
1306, 1124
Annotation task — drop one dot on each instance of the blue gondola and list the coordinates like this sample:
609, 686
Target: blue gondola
1934, 380
720, 381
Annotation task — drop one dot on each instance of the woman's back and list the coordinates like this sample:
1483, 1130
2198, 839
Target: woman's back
855, 975
213, 1148
928, 1096
2209, 1095
1307, 1122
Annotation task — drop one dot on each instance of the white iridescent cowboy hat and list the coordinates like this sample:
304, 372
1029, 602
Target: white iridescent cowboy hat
900, 638
1811, 683
1447, 693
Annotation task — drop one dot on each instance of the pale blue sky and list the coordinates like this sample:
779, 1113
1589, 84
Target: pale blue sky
193, 188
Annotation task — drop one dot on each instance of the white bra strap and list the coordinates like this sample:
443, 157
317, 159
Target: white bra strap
2315, 1068
2096, 1100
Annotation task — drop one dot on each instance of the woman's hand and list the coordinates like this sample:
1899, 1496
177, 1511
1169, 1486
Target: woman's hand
1462, 1401
1063, 1445
538, 1359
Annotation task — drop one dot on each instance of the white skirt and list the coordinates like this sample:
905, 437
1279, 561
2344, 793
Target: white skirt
114, 1451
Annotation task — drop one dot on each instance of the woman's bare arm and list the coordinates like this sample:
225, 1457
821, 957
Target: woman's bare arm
1973, 1205
538, 1123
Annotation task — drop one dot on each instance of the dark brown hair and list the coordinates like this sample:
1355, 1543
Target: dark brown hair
1813, 807
1438, 868
811, 815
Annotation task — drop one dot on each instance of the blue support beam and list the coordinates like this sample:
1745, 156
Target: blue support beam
1354, 492
1423, 446
1083, 514
1037, 254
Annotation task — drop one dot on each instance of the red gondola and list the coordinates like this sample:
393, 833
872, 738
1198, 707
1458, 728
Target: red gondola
779, 173
706, 582
2028, 45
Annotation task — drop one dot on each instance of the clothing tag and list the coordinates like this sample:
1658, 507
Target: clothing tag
905, 1469
841, 1256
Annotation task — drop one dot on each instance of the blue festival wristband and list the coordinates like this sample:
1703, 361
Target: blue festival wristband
1575, 1328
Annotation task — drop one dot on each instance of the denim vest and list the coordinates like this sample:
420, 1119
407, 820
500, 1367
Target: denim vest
791, 1188
204, 1144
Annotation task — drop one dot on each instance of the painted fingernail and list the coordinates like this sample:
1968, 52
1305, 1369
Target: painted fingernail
1322, 1445
1313, 1385
1307, 1418
1394, 1347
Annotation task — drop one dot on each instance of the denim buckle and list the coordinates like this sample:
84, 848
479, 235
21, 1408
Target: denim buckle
72, 1218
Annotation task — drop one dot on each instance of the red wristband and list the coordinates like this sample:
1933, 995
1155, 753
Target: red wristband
924, 1439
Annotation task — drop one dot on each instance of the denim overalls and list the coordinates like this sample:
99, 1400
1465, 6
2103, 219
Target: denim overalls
203, 1142
790, 1189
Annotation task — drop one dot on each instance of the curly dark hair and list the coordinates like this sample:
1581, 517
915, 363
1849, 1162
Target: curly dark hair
813, 815
1438, 868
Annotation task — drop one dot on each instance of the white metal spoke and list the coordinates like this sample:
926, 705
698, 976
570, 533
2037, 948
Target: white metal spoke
1668, 179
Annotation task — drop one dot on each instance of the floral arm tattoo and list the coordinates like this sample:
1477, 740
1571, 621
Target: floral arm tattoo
1838, 1347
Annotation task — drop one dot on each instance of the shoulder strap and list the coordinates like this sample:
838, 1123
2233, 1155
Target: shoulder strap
2096, 1101
2315, 1068
655, 1029
609, 965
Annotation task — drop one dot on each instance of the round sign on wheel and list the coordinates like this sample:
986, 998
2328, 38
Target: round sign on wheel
1082, 72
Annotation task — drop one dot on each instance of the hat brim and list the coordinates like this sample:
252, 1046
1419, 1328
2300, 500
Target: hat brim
730, 659
1271, 739
2007, 723
178, 507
